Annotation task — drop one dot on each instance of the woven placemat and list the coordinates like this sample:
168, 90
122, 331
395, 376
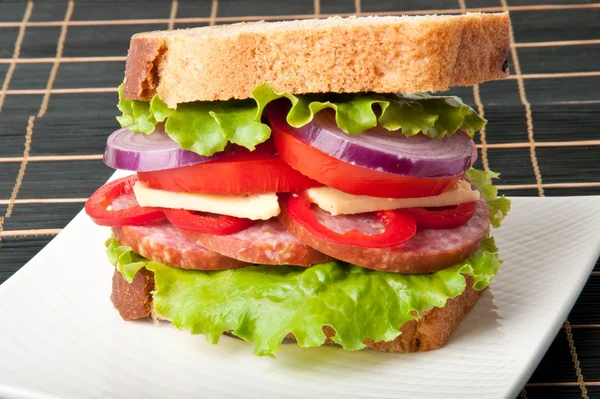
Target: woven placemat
60, 64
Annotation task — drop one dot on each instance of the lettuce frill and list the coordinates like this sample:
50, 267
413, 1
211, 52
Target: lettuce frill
263, 304
207, 127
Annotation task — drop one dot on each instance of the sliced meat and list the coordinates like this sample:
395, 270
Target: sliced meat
266, 242
427, 251
160, 241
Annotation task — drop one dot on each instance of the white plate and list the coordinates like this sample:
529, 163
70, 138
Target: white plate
61, 337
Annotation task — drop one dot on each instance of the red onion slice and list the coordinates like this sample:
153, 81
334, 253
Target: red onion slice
385, 151
147, 152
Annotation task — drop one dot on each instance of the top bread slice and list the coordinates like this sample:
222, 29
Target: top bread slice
340, 55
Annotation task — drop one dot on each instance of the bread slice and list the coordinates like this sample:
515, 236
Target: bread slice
134, 301
340, 55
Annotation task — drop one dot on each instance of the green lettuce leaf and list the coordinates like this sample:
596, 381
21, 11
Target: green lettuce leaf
207, 127
128, 263
136, 114
499, 206
262, 304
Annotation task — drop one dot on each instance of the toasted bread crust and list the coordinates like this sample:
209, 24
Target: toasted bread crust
133, 301
431, 331
341, 55
141, 66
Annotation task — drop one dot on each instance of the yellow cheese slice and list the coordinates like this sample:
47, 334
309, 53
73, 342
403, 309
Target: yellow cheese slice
251, 206
339, 203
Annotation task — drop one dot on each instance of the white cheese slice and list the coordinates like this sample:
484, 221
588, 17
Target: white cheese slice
339, 203
251, 206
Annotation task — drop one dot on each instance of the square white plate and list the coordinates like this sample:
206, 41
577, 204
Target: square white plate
61, 337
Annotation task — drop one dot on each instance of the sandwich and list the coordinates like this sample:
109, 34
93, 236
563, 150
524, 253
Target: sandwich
305, 180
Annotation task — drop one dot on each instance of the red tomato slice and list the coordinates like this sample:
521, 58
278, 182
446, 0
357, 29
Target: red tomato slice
399, 227
202, 223
351, 178
243, 173
447, 217
96, 206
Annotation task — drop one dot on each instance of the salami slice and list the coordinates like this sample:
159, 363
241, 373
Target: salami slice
160, 241
427, 251
266, 242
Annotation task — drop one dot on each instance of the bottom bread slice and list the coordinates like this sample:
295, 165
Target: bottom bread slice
134, 301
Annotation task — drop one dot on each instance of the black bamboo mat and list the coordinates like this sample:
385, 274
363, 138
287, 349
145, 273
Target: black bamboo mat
60, 64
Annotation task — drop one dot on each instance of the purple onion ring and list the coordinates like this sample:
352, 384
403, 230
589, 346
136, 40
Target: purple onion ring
147, 152
392, 152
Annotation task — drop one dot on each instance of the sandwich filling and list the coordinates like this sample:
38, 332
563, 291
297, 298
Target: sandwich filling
207, 127
295, 213
263, 304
